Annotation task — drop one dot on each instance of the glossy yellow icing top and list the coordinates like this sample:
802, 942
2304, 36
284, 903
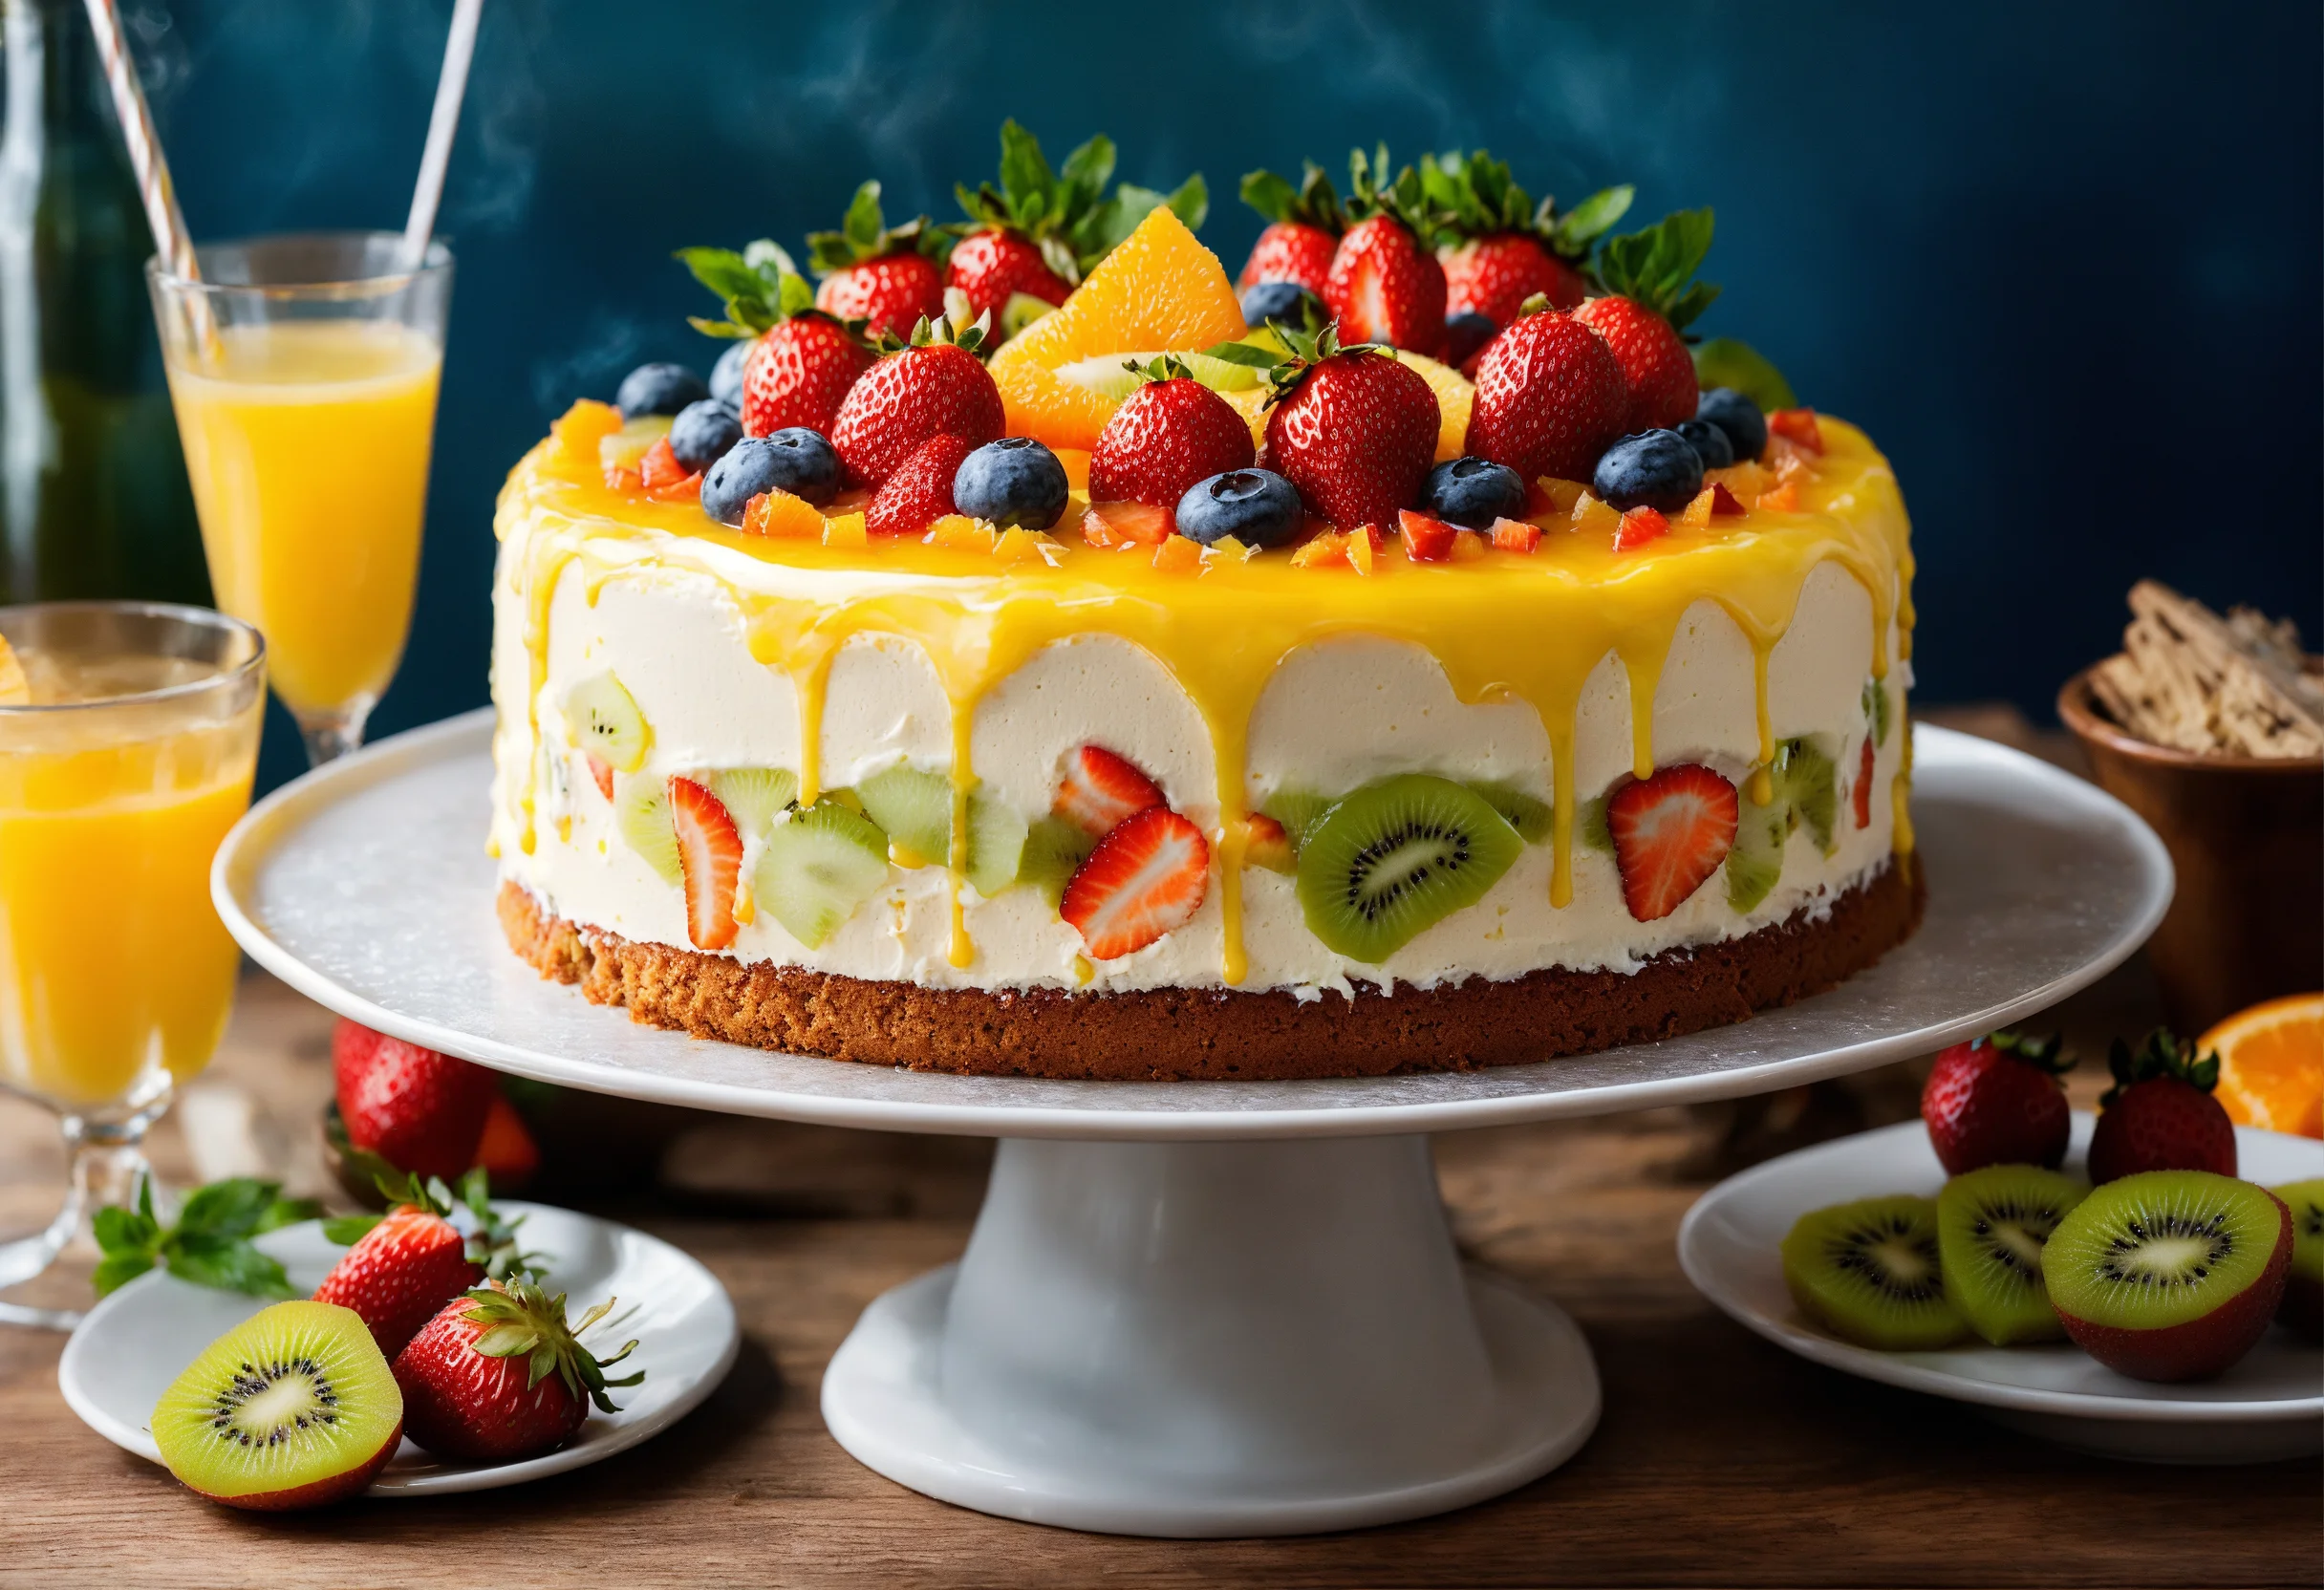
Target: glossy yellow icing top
1504, 625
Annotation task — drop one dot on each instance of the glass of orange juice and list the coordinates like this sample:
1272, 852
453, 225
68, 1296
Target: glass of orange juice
304, 371
128, 736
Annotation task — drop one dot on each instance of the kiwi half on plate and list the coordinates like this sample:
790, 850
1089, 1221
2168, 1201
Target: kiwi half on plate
1870, 1273
1991, 1226
2303, 1306
2169, 1275
295, 1406
1397, 857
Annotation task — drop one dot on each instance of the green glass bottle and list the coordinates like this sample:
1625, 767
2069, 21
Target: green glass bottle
94, 500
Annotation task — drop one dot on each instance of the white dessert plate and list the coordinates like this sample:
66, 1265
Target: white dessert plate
2270, 1406
135, 1342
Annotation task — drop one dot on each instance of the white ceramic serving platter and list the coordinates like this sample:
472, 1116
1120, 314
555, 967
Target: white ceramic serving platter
2270, 1406
135, 1342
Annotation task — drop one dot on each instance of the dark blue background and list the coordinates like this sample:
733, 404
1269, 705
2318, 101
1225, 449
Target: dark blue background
2061, 260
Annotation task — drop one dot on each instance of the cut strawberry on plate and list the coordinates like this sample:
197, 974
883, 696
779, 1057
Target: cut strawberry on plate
1144, 878
1102, 790
711, 854
1670, 832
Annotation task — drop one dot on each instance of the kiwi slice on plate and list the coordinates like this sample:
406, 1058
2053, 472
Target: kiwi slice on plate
295, 1406
818, 866
2303, 1306
605, 723
1870, 1273
1398, 856
641, 812
1991, 1224
2169, 1275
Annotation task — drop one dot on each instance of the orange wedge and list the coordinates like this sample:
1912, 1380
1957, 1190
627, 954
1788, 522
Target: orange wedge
1455, 394
15, 690
1161, 289
2271, 1064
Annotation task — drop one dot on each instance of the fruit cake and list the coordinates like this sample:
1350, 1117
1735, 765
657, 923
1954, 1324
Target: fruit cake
1028, 654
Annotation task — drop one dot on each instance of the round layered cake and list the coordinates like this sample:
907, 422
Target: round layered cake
996, 742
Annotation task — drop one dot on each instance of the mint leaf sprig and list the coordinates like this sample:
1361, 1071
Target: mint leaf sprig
209, 1244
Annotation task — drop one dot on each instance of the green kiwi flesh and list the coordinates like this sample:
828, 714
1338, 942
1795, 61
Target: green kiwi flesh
1869, 1271
2159, 1249
1398, 856
641, 812
1809, 784
914, 807
606, 723
1755, 860
1529, 814
295, 1406
818, 866
2303, 1306
1054, 850
1991, 1224
753, 796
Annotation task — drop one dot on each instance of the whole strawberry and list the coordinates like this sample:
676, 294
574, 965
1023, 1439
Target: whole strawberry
1303, 231
498, 1375
994, 264
409, 1262
1170, 434
2159, 1114
1498, 248
419, 1110
1653, 298
1386, 285
1550, 398
888, 277
1353, 429
801, 361
931, 388
919, 492
1996, 1101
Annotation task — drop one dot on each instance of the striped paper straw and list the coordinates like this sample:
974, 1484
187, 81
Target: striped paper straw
169, 235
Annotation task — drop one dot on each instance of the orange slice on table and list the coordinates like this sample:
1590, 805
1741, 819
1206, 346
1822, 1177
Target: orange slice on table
15, 690
2271, 1064
1161, 290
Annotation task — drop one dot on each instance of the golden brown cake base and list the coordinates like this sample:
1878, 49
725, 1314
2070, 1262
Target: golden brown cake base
1216, 1034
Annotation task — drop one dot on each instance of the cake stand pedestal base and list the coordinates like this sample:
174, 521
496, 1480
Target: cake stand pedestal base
1212, 1339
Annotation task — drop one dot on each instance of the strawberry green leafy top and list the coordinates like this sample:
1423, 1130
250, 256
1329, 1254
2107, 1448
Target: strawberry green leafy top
1066, 212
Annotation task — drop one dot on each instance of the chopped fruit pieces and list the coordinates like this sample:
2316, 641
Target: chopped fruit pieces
961, 533
1670, 832
1798, 425
599, 774
1548, 495
1592, 517
710, 853
1125, 524
2271, 1064
658, 468
779, 513
1467, 547
1268, 845
1997, 1100
1179, 556
845, 529
919, 491
1697, 514
1723, 503
1783, 499
580, 430
1859, 799
1514, 535
1144, 878
1326, 551
1362, 548
1019, 545
1639, 526
1101, 790
1425, 540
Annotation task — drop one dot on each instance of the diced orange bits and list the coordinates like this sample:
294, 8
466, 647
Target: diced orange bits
779, 513
1514, 535
659, 468
1267, 845
845, 531
1782, 498
1745, 480
1798, 425
1697, 515
1590, 516
1324, 550
960, 530
1127, 525
1362, 548
1639, 526
1551, 495
1467, 547
580, 428
1425, 540
618, 478
687, 488
1723, 503
1179, 556
1019, 545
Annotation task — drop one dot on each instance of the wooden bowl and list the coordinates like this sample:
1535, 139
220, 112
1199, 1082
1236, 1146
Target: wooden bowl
2247, 837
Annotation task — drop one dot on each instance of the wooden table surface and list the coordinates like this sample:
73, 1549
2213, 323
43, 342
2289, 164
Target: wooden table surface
1720, 1460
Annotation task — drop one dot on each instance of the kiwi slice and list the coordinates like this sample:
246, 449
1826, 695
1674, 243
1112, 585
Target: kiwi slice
1991, 1224
627, 448
1808, 782
818, 866
606, 723
914, 807
1396, 856
1870, 1273
1875, 711
1054, 850
1591, 826
753, 796
1298, 811
1528, 814
1021, 311
641, 813
295, 1406
2303, 1306
1756, 859
1110, 373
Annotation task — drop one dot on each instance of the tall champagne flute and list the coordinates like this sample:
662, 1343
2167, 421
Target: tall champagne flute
304, 372
126, 753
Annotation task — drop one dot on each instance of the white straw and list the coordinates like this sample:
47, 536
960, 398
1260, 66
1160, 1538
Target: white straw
443, 123
170, 239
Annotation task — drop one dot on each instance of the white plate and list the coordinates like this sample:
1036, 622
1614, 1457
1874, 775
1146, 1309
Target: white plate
2269, 1405
365, 885
135, 1342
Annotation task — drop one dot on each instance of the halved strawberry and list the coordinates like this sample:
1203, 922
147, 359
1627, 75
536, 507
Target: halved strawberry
601, 774
711, 854
1798, 425
1144, 878
1638, 527
1128, 525
659, 468
1862, 796
1670, 832
1101, 790
1425, 540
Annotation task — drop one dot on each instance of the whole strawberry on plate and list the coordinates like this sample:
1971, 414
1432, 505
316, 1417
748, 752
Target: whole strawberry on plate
499, 1375
933, 385
1170, 434
1303, 231
2159, 1114
1651, 298
420, 1111
1386, 285
1352, 427
1498, 248
888, 277
403, 1266
1996, 1101
802, 360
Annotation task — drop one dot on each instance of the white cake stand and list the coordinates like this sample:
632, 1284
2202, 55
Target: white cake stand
1188, 1309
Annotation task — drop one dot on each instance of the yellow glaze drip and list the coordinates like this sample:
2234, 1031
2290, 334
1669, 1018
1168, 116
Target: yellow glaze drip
1504, 626
1899, 794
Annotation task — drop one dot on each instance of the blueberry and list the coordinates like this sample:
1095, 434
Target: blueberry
703, 432
1465, 333
1653, 469
1737, 415
797, 461
1472, 492
727, 375
1709, 441
1285, 301
1256, 506
1015, 481
658, 389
